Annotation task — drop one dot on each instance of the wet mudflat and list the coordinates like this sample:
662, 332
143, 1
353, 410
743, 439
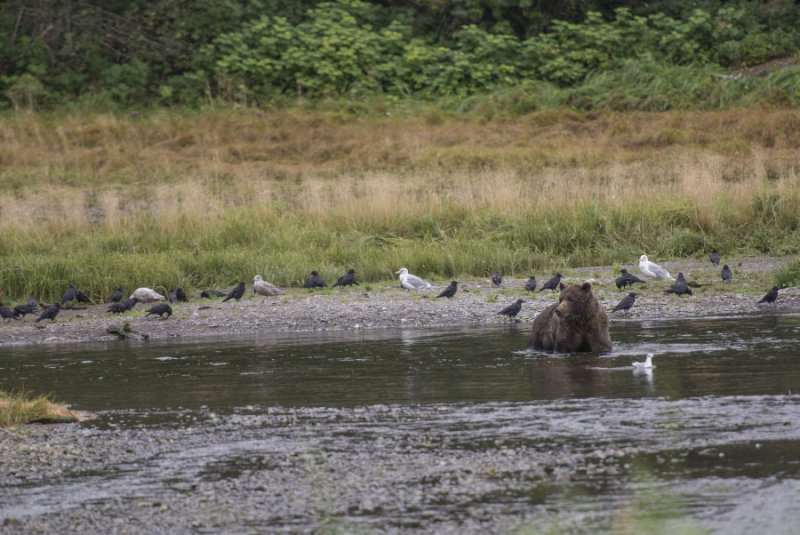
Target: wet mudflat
415, 431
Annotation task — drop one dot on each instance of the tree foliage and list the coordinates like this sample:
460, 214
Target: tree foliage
143, 52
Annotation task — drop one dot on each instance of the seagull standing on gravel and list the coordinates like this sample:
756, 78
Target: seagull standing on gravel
648, 363
146, 295
651, 269
411, 282
262, 287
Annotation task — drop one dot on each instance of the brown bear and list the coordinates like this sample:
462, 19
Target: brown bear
576, 323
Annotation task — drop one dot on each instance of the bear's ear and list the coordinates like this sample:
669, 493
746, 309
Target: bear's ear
561, 286
586, 286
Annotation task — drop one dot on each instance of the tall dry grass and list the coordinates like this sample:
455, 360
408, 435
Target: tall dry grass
207, 199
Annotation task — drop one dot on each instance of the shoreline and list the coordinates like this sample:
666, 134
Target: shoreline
386, 305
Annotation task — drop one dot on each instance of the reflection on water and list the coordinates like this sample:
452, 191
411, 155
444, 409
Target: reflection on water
463, 422
752, 355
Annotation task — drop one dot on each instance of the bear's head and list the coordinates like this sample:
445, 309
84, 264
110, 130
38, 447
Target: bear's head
576, 303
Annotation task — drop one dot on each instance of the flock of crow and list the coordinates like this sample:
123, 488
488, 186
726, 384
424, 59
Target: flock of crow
408, 281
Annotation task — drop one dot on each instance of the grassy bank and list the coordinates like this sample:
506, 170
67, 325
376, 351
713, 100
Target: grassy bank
22, 407
196, 200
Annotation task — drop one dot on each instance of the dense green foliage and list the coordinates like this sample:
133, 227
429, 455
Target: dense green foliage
630, 55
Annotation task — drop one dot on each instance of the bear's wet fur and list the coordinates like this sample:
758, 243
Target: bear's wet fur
578, 322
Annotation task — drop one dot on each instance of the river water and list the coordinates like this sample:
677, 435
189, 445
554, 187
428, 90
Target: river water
427, 431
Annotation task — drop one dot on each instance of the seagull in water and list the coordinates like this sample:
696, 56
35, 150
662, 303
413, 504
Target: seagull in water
411, 282
652, 269
648, 363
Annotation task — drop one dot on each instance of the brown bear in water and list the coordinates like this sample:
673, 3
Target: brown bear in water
576, 323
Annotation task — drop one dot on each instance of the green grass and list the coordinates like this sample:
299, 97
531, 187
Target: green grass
218, 257
22, 407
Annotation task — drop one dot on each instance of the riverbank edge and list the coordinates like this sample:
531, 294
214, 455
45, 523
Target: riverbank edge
476, 303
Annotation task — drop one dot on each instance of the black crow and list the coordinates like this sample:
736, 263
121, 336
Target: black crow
315, 281
22, 310
552, 284
497, 278
181, 295
69, 295
513, 309
80, 297
210, 294
626, 278
116, 297
120, 308
450, 291
347, 279
680, 287
726, 273
626, 303
236, 293
160, 309
714, 257
770, 296
6, 313
50, 313
530, 284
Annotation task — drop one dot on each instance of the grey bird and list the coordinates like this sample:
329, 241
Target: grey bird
626, 278
680, 287
552, 284
530, 284
116, 297
626, 303
450, 291
159, 310
6, 313
770, 296
172, 297
513, 309
50, 313
315, 281
236, 293
68, 296
347, 279
497, 278
714, 257
726, 273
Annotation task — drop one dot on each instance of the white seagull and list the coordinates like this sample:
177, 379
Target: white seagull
652, 269
262, 287
147, 295
411, 282
647, 364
